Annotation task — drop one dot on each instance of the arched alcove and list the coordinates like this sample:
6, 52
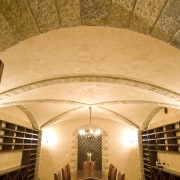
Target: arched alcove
74, 150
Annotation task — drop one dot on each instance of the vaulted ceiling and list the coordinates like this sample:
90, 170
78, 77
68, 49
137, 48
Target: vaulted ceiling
60, 57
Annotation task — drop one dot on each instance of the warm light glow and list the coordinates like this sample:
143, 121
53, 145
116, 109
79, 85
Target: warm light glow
91, 131
97, 132
82, 132
49, 137
87, 133
130, 138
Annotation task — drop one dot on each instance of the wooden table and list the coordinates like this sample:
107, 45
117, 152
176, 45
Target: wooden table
80, 175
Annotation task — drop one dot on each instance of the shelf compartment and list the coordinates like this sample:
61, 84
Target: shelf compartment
18, 138
20, 128
9, 132
18, 147
19, 134
7, 147
159, 135
10, 126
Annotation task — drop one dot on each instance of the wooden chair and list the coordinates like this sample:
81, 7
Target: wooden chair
57, 175
68, 171
113, 173
89, 166
120, 176
64, 173
93, 165
123, 176
110, 171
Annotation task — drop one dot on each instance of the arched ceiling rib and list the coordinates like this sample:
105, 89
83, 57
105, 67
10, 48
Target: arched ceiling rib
30, 116
149, 117
88, 78
120, 81
91, 78
126, 120
55, 119
16, 103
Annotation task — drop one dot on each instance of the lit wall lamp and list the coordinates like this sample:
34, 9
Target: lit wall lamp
130, 138
49, 137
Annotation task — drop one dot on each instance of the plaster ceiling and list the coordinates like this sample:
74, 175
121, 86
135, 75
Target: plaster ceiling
120, 57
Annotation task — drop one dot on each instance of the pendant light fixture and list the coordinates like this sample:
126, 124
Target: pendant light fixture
90, 132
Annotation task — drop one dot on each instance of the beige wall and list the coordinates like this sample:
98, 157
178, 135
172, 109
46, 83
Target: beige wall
161, 118
57, 150
15, 115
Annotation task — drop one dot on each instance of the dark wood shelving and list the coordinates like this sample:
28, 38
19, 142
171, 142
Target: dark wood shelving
161, 139
18, 138
19, 172
164, 174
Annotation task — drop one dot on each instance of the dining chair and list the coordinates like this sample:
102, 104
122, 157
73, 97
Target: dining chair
120, 176
57, 175
89, 166
64, 173
110, 171
113, 173
68, 171
85, 166
92, 165
123, 176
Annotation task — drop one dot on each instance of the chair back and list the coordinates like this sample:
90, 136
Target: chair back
57, 175
64, 173
89, 168
89, 165
113, 173
93, 165
68, 171
110, 171
121, 176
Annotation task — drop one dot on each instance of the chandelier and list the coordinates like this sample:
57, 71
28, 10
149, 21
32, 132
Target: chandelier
91, 132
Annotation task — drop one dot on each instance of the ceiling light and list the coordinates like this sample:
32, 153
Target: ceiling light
90, 132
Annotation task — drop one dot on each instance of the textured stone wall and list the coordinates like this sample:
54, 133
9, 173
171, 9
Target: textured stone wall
23, 19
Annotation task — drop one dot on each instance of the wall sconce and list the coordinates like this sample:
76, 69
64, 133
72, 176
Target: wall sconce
130, 138
49, 138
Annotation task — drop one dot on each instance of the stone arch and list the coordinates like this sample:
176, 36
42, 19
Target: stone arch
91, 78
149, 117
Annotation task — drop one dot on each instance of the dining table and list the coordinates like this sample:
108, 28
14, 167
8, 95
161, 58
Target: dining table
86, 175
